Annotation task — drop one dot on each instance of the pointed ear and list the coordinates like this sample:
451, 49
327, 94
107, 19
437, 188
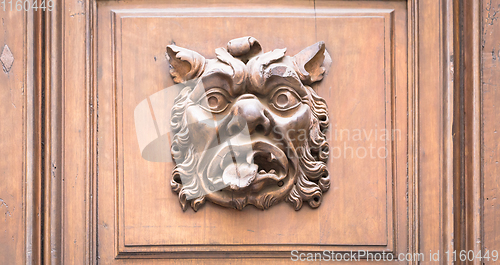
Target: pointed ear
184, 64
312, 63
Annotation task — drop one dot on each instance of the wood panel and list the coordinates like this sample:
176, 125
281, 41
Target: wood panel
435, 113
89, 135
490, 114
69, 211
20, 79
140, 225
67, 123
472, 205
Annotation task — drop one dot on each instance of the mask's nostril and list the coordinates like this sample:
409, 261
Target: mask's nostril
259, 129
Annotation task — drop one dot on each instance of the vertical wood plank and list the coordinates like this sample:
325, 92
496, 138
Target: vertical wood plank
490, 114
19, 226
435, 143
435, 126
75, 140
473, 212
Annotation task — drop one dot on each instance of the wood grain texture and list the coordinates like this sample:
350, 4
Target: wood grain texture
435, 116
53, 65
69, 215
490, 114
348, 177
64, 120
83, 147
472, 217
19, 139
76, 134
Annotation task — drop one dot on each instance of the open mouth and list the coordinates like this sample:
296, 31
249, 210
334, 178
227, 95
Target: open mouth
240, 167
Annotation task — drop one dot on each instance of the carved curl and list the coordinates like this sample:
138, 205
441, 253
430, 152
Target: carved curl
184, 64
184, 180
312, 63
313, 177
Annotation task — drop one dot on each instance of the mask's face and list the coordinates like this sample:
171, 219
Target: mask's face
247, 128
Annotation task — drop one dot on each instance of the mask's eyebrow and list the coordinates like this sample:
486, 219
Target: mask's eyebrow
215, 78
283, 75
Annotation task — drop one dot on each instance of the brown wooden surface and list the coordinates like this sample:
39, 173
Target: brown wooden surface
490, 101
369, 223
433, 141
472, 215
90, 74
102, 203
11, 142
20, 204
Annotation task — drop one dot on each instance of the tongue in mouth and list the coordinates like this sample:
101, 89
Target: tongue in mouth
239, 176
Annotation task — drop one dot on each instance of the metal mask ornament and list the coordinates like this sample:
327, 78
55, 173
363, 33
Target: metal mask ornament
248, 128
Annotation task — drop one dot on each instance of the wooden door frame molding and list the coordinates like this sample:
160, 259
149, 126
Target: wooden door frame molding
437, 43
471, 127
69, 114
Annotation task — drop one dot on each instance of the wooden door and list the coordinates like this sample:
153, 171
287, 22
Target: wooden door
368, 48
374, 90
376, 83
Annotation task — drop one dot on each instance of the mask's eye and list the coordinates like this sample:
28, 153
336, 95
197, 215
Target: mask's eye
214, 100
285, 99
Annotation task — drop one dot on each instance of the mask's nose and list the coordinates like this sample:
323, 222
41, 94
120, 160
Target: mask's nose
249, 111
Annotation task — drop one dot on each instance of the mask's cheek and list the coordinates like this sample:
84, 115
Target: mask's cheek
294, 128
202, 130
